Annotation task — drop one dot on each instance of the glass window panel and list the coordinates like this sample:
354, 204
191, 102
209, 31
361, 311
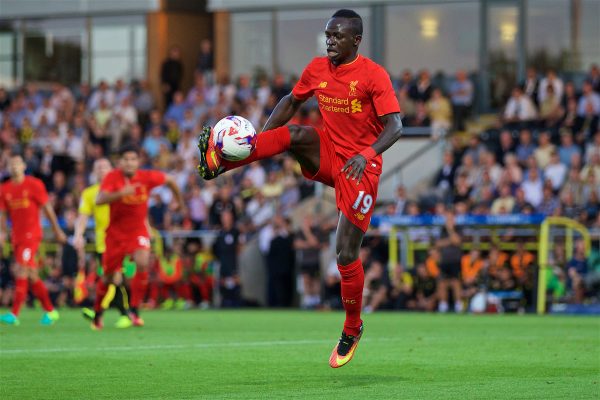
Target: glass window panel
54, 50
548, 34
300, 37
502, 41
251, 42
590, 33
6, 73
110, 39
6, 44
432, 36
110, 68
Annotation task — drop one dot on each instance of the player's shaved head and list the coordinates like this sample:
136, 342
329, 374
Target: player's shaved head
353, 18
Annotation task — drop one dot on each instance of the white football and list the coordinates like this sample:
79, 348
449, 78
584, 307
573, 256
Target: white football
234, 138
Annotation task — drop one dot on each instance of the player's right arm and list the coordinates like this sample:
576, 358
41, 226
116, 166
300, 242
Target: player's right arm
283, 112
289, 105
107, 197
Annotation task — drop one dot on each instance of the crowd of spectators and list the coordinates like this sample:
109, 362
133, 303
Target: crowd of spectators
546, 161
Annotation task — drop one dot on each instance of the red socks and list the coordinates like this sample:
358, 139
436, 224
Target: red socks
41, 292
101, 289
353, 281
139, 285
268, 143
21, 285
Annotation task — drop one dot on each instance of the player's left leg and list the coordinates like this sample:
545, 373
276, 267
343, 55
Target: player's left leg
348, 240
41, 292
139, 283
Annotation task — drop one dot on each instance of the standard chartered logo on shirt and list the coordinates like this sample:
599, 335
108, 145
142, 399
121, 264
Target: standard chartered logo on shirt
339, 105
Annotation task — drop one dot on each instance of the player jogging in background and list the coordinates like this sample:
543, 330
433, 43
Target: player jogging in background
361, 119
127, 190
87, 208
21, 198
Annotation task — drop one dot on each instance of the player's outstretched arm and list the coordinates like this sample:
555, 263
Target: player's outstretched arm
80, 225
58, 232
283, 112
170, 182
392, 131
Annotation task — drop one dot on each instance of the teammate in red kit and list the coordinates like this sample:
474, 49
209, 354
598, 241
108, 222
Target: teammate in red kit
21, 198
127, 190
361, 119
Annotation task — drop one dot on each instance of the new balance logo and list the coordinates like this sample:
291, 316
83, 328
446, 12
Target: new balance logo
356, 106
323, 85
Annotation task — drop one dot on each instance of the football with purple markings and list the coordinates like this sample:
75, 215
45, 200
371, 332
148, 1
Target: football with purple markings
234, 138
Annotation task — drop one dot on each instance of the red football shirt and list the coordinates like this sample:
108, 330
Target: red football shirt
128, 214
22, 202
351, 98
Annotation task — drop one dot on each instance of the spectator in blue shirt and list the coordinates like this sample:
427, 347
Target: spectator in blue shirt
576, 270
152, 142
461, 94
526, 147
567, 148
177, 109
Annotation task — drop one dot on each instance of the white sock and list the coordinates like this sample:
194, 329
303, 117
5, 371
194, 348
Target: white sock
443, 306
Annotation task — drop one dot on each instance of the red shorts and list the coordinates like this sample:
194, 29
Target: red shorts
26, 253
116, 250
356, 202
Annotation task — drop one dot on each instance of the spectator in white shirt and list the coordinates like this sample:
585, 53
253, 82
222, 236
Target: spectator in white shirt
555, 81
533, 188
555, 171
45, 110
519, 108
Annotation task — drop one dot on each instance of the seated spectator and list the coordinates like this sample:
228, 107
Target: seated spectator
462, 190
421, 117
444, 180
376, 282
440, 113
471, 265
567, 148
422, 89
544, 150
400, 208
549, 203
592, 168
577, 269
488, 160
176, 110
407, 105
551, 80
470, 170
505, 146
532, 187
520, 110
593, 147
521, 261
424, 290
152, 142
551, 112
594, 77
505, 202
513, 174
555, 171
400, 288
588, 109
525, 148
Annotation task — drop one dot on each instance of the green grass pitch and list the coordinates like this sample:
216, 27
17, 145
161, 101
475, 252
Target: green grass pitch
284, 355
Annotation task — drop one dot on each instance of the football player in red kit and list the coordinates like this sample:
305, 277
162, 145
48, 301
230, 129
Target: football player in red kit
361, 118
127, 189
21, 198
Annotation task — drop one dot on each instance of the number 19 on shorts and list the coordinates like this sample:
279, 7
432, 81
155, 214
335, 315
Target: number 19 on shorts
363, 201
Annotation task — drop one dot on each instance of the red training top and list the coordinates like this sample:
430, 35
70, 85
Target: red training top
351, 98
22, 201
128, 214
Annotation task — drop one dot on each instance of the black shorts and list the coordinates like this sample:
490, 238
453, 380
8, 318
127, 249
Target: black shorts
450, 271
311, 269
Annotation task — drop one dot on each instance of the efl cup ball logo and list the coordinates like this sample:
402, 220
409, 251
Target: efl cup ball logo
234, 138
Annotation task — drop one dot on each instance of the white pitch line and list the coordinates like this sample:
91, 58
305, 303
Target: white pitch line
175, 346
